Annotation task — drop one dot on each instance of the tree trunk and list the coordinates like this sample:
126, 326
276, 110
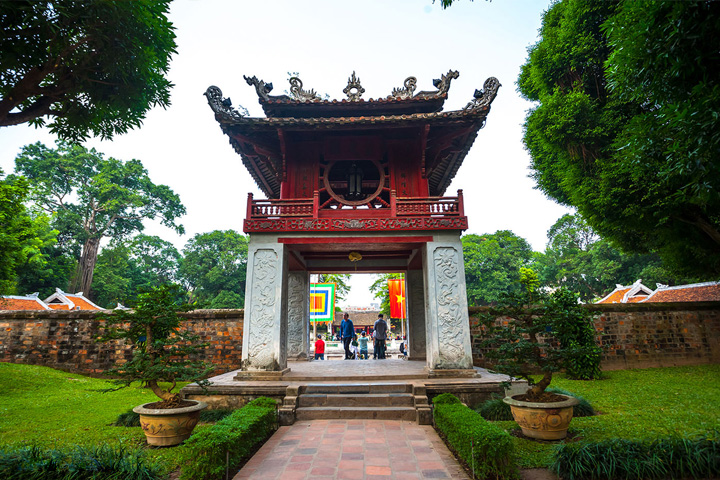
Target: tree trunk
87, 264
540, 387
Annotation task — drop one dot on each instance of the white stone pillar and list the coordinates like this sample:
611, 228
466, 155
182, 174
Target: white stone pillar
416, 315
265, 325
298, 315
448, 324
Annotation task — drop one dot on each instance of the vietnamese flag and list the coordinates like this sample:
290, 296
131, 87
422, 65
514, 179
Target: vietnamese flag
397, 298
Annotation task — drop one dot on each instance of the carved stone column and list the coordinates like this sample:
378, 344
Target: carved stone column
448, 325
416, 315
265, 326
298, 315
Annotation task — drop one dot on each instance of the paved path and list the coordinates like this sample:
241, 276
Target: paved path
353, 449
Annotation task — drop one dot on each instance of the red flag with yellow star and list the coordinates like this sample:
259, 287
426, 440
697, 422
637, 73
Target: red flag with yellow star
397, 298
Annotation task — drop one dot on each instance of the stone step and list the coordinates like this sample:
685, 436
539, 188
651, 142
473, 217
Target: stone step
355, 389
345, 413
350, 400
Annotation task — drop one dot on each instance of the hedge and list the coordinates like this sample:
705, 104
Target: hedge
79, 463
237, 435
485, 448
664, 458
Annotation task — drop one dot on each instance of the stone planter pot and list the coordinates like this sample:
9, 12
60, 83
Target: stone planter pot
543, 421
171, 426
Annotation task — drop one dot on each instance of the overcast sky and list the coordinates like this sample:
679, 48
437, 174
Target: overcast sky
384, 42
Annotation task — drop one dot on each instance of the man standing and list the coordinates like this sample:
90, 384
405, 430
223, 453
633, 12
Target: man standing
347, 332
380, 333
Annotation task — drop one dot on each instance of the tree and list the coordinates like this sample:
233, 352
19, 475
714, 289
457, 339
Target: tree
340, 280
381, 291
214, 267
627, 125
92, 198
23, 237
492, 263
91, 66
577, 258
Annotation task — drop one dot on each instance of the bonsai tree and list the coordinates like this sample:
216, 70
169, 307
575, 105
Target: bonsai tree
535, 332
161, 350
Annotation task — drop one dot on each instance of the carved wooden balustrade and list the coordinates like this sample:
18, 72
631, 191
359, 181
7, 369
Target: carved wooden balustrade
436, 207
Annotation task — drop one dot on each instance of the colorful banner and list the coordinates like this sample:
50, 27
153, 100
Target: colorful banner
397, 298
322, 302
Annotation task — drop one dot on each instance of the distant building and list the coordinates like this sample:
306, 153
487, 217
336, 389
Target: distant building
57, 301
27, 302
639, 293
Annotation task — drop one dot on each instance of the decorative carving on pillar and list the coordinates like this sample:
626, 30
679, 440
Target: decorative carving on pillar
263, 310
261, 87
296, 314
353, 90
222, 106
407, 90
450, 331
298, 93
484, 97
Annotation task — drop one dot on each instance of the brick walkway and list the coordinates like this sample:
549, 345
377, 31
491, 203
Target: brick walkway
353, 449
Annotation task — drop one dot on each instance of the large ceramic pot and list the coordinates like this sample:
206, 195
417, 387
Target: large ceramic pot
171, 426
544, 421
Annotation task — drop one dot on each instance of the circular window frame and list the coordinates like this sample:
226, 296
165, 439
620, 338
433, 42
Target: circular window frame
354, 203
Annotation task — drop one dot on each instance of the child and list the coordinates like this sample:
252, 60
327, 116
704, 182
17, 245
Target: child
319, 348
363, 343
354, 348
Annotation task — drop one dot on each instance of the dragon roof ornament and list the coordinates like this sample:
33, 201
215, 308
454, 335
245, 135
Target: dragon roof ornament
353, 90
485, 96
262, 88
301, 95
223, 106
405, 92
442, 84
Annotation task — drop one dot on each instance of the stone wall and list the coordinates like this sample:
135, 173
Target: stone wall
646, 335
66, 339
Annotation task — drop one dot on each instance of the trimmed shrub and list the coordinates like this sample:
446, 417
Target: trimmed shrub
497, 410
582, 409
132, 419
99, 463
671, 457
487, 449
237, 435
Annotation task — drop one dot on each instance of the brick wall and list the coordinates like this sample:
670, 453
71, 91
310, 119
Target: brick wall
649, 335
66, 339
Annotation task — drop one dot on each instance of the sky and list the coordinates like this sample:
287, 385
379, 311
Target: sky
324, 41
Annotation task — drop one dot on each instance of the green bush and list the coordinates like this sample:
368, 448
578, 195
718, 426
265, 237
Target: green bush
132, 419
486, 448
99, 463
631, 459
497, 410
205, 453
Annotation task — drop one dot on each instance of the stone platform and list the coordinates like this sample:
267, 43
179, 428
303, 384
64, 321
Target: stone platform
351, 389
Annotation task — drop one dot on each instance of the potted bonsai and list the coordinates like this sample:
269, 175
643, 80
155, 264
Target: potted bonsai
161, 353
536, 332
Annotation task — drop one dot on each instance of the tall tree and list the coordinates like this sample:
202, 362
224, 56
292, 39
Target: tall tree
94, 66
578, 259
23, 237
93, 197
627, 125
214, 267
492, 265
340, 280
381, 291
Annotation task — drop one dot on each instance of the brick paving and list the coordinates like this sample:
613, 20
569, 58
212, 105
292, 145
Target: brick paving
353, 449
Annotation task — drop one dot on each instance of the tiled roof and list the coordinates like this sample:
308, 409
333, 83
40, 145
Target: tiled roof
11, 302
359, 319
696, 292
69, 301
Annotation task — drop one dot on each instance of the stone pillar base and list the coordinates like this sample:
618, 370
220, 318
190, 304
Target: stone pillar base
452, 372
261, 375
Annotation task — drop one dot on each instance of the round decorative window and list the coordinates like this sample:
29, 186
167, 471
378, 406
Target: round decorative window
354, 182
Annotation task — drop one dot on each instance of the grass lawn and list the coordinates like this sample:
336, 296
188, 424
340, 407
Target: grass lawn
637, 404
55, 409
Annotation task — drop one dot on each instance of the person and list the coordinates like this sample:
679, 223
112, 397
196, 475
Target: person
354, 349
403, 349
380, 331
347, 332
319, 348
363, 343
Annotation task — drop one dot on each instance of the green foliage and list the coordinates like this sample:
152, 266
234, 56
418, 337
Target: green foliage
496, 410
577, 258
626, 128
492, 263
446, 399
381, 291
539, 332
97, 463
582, 409
669, 457
132, 419
237, 435
161, 349
340, 280
214, 267
485, 448
91, 197
93, 67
